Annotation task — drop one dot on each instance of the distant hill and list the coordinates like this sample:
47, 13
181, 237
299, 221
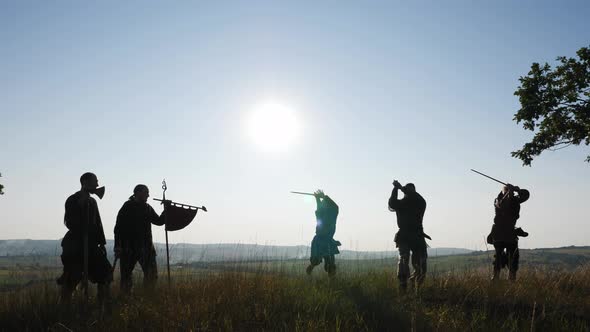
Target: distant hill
186, 252
542, 258
46, 253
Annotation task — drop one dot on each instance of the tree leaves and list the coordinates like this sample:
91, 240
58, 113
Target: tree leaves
555, 104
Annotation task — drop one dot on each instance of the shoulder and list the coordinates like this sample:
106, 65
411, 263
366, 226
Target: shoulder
73, 197
129, 204
416, 198
422, 201
72, 200
420, 197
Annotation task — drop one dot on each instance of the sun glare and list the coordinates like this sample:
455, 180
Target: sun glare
273, 127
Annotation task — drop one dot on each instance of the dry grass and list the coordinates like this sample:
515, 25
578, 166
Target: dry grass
264, 299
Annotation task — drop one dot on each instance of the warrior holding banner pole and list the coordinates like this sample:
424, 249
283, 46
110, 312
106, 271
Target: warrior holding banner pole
504, 234
133, 238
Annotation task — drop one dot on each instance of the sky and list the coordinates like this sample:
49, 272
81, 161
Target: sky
419, 91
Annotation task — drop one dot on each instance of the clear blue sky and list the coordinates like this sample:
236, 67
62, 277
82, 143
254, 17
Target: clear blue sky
416, 91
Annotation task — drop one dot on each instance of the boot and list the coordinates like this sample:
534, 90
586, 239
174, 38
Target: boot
496, 275
103, 294
65, 293
403, 287
512, 275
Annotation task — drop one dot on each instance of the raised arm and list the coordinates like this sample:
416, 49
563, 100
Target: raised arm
329, 202
523, 194
394, 203
318, 195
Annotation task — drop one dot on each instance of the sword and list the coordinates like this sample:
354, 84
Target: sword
302, 193
489, 177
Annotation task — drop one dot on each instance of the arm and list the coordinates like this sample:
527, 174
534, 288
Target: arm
318, 195
393, 201
120, 225
422, 208
72, 217
505, 198
422, 211
154, 218
101, 238
523, 195
330, 202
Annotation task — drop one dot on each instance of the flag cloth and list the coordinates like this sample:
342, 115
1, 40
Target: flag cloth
179, 216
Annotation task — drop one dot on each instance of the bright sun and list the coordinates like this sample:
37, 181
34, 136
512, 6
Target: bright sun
273, 127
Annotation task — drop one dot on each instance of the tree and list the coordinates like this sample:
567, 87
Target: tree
556, 102
1, 186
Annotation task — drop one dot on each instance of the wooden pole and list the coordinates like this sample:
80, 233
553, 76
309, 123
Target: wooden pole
164, 187
167, 258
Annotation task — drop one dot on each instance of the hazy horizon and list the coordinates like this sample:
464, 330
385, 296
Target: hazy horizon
393, 250
225, 243
372, 92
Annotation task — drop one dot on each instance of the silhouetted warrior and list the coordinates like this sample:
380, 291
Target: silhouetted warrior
133, 238
504, 235
323, 245
82, 217
410, 237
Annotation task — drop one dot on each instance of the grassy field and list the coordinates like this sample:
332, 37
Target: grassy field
277, 295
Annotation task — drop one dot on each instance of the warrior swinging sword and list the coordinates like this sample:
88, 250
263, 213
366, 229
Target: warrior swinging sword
504, 234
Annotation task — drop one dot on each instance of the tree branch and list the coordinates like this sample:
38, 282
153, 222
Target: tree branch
565, 145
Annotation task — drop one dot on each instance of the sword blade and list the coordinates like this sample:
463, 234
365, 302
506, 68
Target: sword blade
301, 193
489, 177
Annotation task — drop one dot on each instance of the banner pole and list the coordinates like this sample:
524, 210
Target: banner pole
164, 188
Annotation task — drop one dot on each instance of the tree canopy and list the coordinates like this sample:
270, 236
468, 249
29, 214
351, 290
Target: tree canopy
555, 104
